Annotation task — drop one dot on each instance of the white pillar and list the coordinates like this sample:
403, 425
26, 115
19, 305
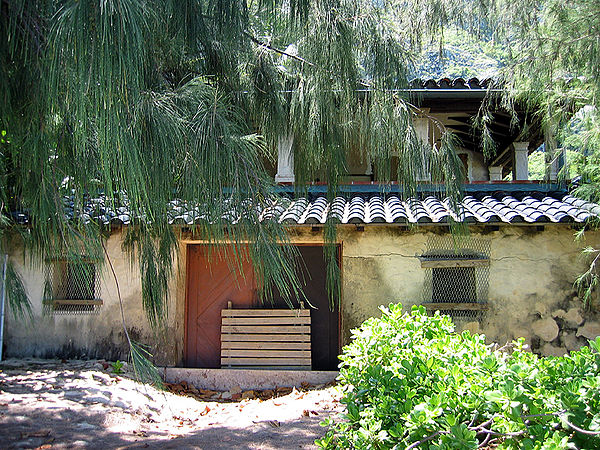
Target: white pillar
521, 168
553, 169
285, 159
369, 169
421, 125
559, 159
495, 173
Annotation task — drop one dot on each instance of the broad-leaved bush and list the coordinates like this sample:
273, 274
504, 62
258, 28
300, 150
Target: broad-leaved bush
411, 381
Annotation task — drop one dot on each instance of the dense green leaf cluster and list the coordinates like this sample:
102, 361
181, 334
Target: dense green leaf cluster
410, 381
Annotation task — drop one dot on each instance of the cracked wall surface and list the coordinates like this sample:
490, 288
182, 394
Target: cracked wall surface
531, 278
531, 292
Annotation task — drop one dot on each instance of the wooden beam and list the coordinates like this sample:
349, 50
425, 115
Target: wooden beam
266, 361
497, 159
250, 337
265, 345
263, 312
266, 329
456, 306
500, 124
265, 353
61, 301
265, 367
449, 263
289, 320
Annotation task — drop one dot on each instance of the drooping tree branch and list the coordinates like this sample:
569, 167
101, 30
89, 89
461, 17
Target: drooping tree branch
277, 50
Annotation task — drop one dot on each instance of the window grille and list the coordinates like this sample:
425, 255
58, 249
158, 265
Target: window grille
72, 287
457, 276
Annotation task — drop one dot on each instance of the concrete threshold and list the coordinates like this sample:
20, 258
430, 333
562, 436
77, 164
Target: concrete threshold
246, 379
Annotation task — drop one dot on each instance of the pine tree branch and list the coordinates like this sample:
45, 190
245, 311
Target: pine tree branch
277, 50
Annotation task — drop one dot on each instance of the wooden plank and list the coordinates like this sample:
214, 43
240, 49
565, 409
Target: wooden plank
76, 302
266, 361
265, 337
265, 353
266, 329
447, 263
270, 367
266, 320
456, 306
266, 345
265, 312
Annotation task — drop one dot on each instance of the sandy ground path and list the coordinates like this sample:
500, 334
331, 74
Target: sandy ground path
50, 404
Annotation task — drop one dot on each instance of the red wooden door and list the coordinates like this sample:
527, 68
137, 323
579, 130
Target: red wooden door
210, 285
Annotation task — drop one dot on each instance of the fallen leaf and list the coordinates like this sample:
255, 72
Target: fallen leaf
274, 423
39, 433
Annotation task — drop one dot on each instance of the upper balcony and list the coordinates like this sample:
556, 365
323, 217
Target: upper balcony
454, 104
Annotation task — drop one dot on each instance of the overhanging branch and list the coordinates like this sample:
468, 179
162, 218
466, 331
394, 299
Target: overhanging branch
277, 50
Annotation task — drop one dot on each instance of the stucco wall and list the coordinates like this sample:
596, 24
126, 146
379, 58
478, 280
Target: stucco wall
97, 335
531, 277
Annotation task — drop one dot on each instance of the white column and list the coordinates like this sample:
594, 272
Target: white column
495, 173
550, 153
521, 168
285, 159
553, 169
555, 165
369, 169
421, 125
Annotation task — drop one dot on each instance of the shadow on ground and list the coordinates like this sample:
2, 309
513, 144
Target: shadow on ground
68, 429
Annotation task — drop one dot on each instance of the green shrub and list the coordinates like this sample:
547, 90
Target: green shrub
117, 367
410, 381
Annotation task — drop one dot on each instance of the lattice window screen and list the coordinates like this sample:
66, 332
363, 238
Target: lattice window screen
455, 285
72, 287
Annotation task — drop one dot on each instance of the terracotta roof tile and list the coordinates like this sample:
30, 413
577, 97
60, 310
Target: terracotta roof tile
369, 208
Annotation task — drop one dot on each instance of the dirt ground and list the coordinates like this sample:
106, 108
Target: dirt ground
74, 404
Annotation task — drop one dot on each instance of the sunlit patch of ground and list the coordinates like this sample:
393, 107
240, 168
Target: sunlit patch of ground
51, 404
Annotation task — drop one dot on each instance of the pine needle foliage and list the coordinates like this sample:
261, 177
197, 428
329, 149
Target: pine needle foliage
149, 103
554, 73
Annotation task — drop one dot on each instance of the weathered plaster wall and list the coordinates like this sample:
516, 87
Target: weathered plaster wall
531, 280
89, 336
530, 292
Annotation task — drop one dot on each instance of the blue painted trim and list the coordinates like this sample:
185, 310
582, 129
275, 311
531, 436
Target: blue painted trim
376, 188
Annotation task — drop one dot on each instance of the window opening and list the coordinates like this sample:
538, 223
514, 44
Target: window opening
72, 286
457, 276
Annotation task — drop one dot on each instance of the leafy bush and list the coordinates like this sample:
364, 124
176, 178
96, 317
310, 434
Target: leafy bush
117, 367
410, 381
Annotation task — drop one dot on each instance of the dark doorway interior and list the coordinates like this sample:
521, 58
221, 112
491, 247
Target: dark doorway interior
325, 321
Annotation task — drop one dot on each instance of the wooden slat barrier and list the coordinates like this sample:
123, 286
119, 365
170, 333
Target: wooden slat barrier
266, 338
